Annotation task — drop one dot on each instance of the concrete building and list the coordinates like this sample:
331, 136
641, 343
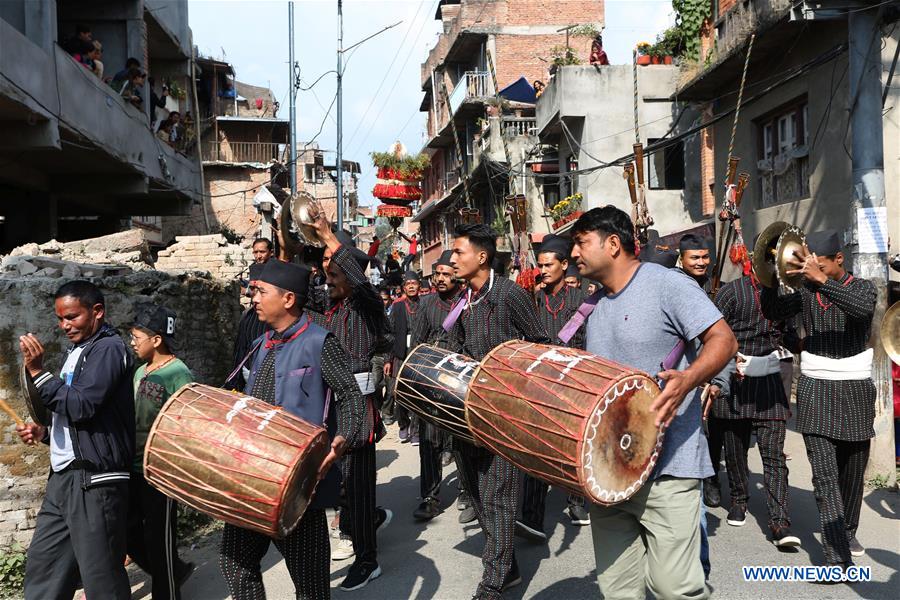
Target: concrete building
519, 36
76, 159
793, 136
585, 118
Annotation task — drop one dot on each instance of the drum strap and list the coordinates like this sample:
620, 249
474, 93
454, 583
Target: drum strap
578, 319
244, 360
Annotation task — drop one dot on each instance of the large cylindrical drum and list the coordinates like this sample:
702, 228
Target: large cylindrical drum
567, 417
432, 383
235, 458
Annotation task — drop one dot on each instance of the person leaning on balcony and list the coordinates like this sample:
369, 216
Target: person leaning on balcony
156, 101
132, 90
82, 34
121, 77
82, 54
95, 55
598, 54
538, 86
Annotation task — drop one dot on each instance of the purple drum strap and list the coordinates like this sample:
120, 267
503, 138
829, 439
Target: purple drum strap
451, 319
241, 365
674, 356
578, 319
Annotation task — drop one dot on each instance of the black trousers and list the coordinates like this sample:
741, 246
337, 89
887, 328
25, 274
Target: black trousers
494, 484
151, 536
358, 502
715, 433
770, 441
838, 469
306, 553
79, 531
534, 501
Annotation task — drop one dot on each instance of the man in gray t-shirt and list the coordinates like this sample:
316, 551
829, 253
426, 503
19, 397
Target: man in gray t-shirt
652, 540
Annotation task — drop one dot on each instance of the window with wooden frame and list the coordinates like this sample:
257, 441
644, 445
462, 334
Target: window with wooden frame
783, 154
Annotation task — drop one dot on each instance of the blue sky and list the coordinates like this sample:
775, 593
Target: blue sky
252, 35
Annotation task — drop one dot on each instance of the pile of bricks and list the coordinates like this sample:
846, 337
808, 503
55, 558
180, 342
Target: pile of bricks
206, 253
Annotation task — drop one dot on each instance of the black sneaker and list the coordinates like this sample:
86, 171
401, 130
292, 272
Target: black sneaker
359, 575
782, 537
513, 578
737, 515
404, 435
579, 515
712, 495
427, 510
467, 515
856, 549
383, 517
530, 532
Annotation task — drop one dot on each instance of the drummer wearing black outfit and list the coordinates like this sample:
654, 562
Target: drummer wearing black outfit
835, 392
403, 313
492, 311
249, 329
556, 303
297, 366
428, 329
353, 312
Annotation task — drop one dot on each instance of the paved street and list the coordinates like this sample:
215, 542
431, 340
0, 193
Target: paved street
441, 559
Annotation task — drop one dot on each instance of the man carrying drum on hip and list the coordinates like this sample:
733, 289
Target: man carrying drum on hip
652, 540
302, 368
493, 310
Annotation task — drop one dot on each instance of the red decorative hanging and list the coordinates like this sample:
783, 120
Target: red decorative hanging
393, 210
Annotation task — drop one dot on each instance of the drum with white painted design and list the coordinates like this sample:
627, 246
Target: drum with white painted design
235, 458
567, 417
432, 384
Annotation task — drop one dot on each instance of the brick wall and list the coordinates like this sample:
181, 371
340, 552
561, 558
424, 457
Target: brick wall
208, 313
211, 253
518, 55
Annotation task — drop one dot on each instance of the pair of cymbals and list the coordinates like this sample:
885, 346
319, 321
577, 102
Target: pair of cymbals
778, 243
37, 410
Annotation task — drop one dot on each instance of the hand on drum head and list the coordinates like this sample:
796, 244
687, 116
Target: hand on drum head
672, 395
338, 444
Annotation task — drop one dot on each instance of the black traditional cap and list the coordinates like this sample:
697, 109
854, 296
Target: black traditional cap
666, 258
288, 276
572, 270
158, 319
555, 243
255, 271
691, 241
410, 276
824, 243
443, 260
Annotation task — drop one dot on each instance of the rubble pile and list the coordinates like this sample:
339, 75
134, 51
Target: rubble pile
115, 254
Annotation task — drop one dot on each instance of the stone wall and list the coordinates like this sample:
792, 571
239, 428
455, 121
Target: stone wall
208, 312
209, 253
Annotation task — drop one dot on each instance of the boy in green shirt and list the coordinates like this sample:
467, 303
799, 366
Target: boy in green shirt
151, 515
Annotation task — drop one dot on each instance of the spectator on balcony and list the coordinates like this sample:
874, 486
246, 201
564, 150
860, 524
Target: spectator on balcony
74, 44
96, 55
176, 128
82, 54
156, 101
132, 90
538, 86
165, 131
120, 79
598, 54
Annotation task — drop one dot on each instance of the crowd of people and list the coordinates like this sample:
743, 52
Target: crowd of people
725, 386
130, 83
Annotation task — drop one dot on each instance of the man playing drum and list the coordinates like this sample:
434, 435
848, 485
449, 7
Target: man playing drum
835, 393
556, 303
652, 540
428, 329
300, 367
353, 312
493, 310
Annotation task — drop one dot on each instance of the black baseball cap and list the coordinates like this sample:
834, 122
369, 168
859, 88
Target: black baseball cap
159, 320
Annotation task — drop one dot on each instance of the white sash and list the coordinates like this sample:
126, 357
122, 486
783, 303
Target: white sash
758, 366
366, 382
837, 369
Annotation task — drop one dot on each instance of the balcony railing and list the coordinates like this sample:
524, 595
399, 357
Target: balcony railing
473, 84
242, 152
516, 126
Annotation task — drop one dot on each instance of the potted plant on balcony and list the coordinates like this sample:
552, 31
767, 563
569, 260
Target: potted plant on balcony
500, 225
567, 209
561, 56
643, 55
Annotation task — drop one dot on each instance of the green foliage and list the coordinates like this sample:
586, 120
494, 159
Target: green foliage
588, 30
563, 55
879, 482
12, 571
405, 166
500, 224
689, 18
175, 90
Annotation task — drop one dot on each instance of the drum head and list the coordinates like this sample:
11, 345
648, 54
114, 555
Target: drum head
37, 410
302, 484
621, 441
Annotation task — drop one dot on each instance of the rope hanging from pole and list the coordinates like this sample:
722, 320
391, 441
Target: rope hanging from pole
634, 175
733, 194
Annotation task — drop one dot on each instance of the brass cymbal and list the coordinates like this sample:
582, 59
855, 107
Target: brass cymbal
790, 243
890, 332
764, 253
302, 219
289, 238
32, 397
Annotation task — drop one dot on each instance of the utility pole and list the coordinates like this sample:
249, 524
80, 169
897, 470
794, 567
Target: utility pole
340, 118
292, 112
868, 194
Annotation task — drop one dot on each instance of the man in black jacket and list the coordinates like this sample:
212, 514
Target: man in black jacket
82, 521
